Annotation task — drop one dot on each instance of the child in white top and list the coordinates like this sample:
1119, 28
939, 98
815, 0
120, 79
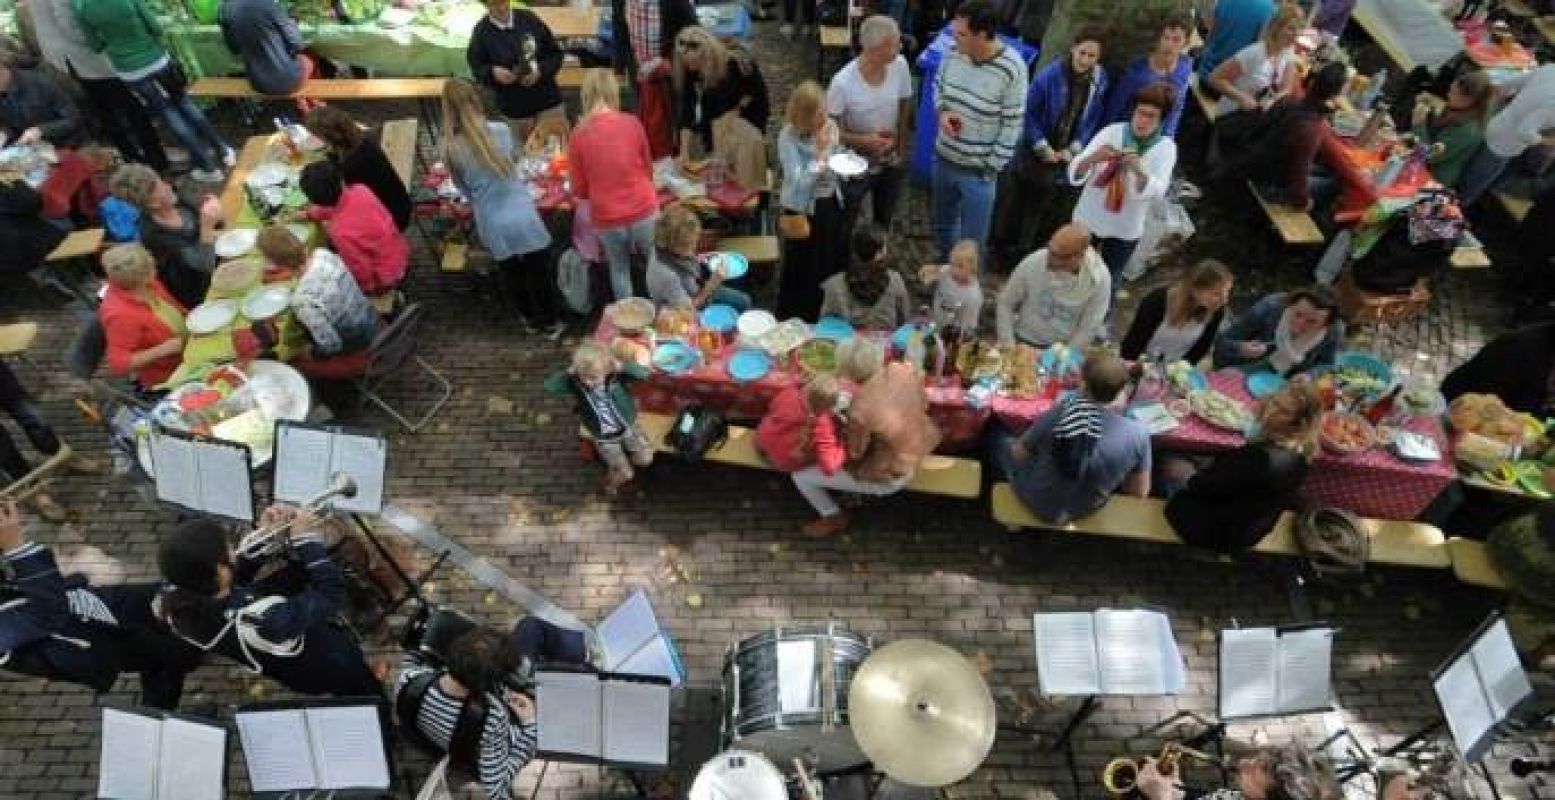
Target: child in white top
958, 295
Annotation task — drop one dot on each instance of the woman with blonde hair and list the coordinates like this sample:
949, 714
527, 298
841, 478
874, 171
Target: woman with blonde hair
1234, 501
812, 192
612, 168
142, 323
676, 277
480, 154
1264, 71
714, 80
1179, 322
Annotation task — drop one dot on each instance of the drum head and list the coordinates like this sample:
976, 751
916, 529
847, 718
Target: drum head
786, 694
739, 775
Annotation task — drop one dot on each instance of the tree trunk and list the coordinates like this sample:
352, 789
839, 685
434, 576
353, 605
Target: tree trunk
1129, 27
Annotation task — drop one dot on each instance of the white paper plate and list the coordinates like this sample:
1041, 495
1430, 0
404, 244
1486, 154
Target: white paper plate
236, 242
848, 165
755, 323
266, 301
211, 316
271, 174
301, 231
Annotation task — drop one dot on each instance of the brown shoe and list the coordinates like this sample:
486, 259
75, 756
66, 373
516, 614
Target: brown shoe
81, 465
45, 506
825, 527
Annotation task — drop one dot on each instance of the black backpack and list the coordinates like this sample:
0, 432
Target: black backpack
695, 431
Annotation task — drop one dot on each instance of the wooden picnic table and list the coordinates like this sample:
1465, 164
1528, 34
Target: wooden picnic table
567, 22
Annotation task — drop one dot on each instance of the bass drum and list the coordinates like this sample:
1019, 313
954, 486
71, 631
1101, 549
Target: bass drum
739, 775
785, 695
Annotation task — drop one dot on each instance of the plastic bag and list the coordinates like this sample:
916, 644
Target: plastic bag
572, 282
1167, 225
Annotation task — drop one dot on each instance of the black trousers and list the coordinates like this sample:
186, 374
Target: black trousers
1026, 207
808, 262
15, 401
125, 121
527, 286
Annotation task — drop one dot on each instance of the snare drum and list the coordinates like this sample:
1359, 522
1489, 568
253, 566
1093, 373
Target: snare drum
786, 695
739, 775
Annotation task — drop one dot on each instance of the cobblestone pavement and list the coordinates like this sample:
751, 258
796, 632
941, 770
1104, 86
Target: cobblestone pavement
719, 552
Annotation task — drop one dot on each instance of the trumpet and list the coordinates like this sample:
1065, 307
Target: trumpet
1121, 775
270, 540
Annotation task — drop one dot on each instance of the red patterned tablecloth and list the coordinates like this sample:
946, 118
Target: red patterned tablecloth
1373, 483
710, 385
1356, 166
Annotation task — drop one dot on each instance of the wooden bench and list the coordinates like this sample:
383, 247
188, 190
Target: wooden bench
1516, 207
327, 89
1410, 544
1471, 563
1294, 225
1470, 258
756, 249
942, 475
570, 78
79, 244
1207, 106
835, 37
455, 254
398, 140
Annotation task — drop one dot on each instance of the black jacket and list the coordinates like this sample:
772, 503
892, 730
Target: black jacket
491, 46
674, 16
701, 105
1514, 366
368, 166
184, 262
26, 238
1149, 316
36, 100
1235, 501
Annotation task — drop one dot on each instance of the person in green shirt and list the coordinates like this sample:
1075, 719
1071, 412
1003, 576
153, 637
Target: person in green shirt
1454, 130
129, 35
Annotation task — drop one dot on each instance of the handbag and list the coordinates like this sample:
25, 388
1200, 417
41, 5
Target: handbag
794, 227
695, 431
1334, 541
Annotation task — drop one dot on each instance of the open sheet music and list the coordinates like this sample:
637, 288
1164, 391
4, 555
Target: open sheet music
200, 474
1479, 686
635, 644
323, 747
602, 717
152, 756
307, 457
1275, 670
1108, 652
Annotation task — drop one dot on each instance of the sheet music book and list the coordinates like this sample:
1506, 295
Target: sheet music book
202, 474
1480, 685
603, 717
634, 643
149, 755
307, 457
318, 747
1275, 670
1108, 652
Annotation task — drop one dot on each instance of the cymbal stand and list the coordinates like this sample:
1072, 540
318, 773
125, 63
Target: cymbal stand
1065, 740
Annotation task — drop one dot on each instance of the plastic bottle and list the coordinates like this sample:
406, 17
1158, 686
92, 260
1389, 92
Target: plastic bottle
1373, 89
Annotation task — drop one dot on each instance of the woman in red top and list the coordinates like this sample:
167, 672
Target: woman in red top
143, 324
360, 229
800, 428
610, 166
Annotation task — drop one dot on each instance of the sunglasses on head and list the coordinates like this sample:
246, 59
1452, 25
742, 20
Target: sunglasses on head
688, 44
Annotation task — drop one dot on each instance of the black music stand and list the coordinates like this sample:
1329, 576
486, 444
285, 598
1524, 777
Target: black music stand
413, 586
298, 739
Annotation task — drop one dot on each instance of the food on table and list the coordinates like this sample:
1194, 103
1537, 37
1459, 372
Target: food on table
632, 314
1357, 381
1486, 415
1530, 478
1481, 452
1344, 432
1020, 371
788, 335
253, 428
1421, 400
631, 351
676, 323
818, 356
236, 277
1180, 374
978, 360
226, 379
1219, 410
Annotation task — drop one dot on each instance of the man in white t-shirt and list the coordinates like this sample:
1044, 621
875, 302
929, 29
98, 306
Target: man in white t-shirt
869, 98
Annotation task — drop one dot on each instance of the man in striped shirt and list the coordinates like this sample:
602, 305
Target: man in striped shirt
980, 95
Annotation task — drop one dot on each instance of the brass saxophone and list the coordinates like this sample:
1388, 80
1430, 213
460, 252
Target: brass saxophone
1121, 775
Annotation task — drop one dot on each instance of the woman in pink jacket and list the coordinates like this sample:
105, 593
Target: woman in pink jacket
611, 168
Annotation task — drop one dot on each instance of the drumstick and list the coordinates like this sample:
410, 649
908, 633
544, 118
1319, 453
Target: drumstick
804, 780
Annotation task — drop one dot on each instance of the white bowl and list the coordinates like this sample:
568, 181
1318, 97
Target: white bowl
755, 324
236, 242
211, 316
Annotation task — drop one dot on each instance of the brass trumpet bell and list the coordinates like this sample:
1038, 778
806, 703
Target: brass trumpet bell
1121, 775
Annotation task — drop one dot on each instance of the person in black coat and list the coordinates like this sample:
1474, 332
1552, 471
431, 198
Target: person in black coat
296, 638
644, 53
1180, 322
1515, 366
26, 238
1235, 501
713, 80
514, 53
360, 160
63, 628
34, 108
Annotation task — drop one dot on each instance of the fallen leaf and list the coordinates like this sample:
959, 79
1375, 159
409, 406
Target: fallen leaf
694, 600
491, 598
499, 405
775, 548
983, 662
542, 419
256, 690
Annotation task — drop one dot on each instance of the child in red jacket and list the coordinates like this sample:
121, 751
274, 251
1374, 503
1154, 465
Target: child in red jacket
800, 428
360, 229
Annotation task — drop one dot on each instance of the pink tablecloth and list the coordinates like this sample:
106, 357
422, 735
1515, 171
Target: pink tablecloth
1355, 168
710, 385
1373, 483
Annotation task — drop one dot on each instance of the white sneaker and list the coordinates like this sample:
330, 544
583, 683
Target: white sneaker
207, 175
787, 29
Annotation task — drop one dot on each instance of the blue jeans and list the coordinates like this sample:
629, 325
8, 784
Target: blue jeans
963, 205
1481, 173
184, 119
619, 244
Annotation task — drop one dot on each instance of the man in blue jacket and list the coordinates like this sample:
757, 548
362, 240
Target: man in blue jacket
269, 43
63, 628
1063, 110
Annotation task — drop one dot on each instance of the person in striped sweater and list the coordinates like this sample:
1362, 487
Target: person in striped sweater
980, 96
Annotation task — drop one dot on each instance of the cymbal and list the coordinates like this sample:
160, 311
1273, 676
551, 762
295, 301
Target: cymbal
921, 712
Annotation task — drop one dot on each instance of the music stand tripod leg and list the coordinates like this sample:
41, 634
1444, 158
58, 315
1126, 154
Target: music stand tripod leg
412, 585
1065, 739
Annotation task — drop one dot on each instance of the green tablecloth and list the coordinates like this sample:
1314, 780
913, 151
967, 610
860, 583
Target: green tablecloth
420, 49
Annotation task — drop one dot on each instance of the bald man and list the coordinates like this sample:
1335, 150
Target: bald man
1057, 294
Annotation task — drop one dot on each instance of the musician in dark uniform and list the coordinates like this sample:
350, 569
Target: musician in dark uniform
63, 628
295, 639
